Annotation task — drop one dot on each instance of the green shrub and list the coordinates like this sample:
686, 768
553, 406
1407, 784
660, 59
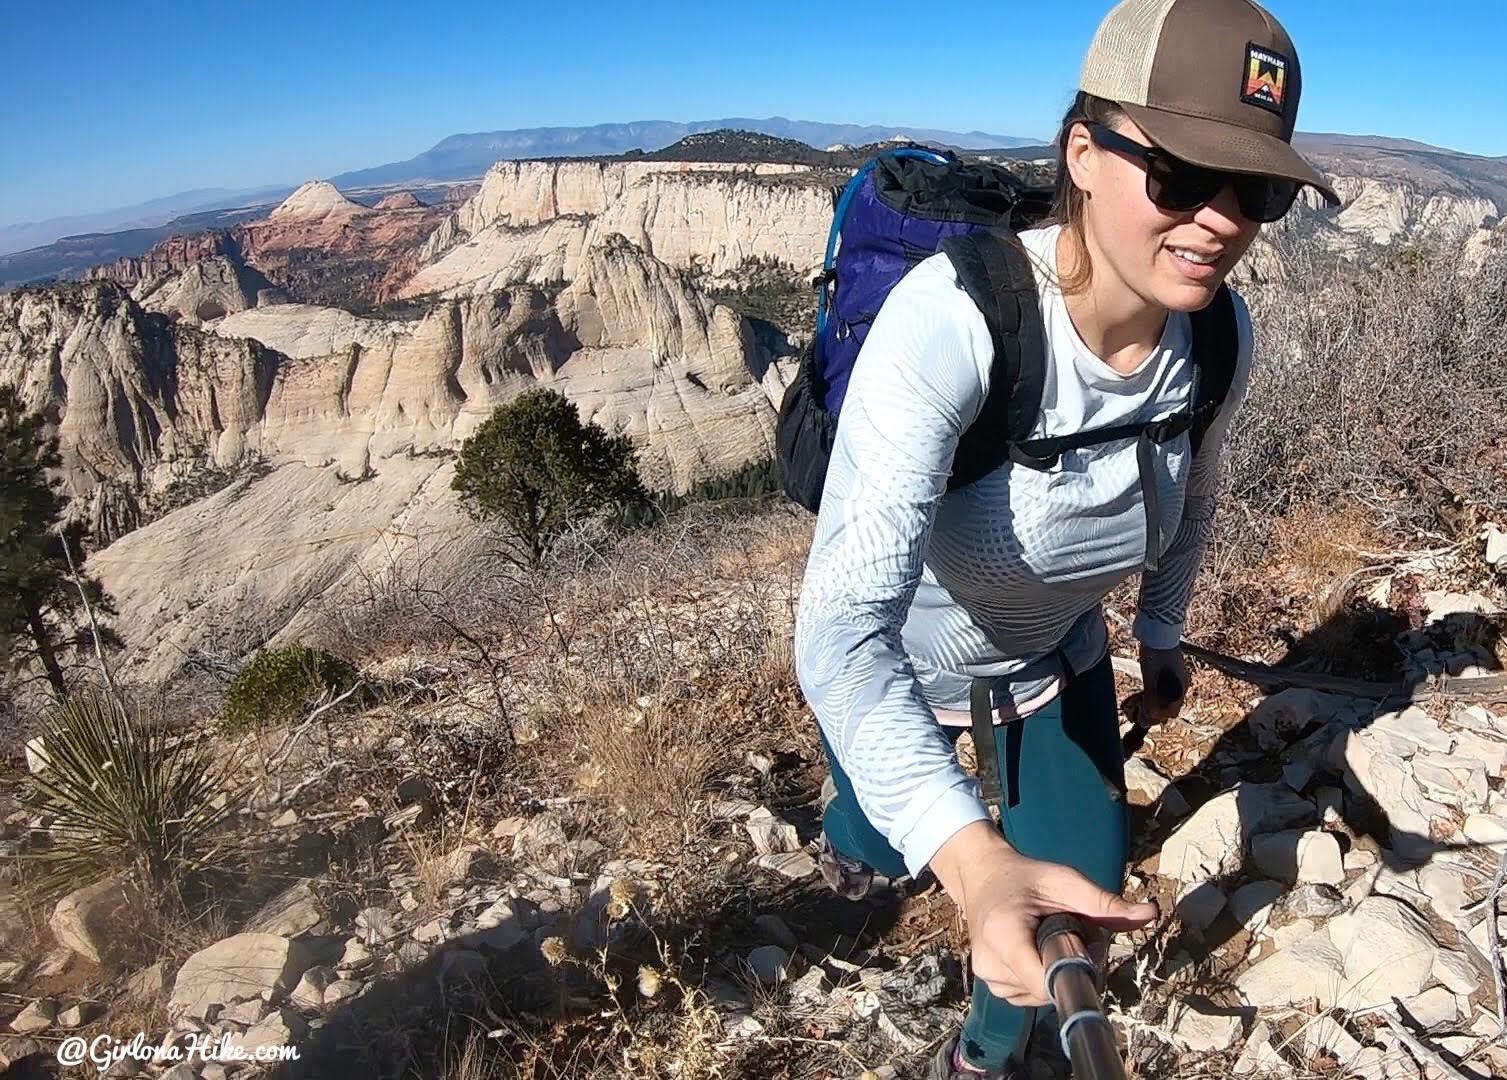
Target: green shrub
535, 468
279, 685
125, 793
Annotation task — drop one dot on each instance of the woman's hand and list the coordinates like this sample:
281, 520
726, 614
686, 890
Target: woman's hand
1004, 895
1164, 683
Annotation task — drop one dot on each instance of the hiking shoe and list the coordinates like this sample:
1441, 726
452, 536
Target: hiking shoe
944, 1066
849, 878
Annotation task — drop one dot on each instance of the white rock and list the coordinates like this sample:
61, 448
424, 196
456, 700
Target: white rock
1411, 729
281, 1027
1452, 779
432, 932
93, 921
794, 864
1202, 1031
1212, 841
1488, 829
1455, 971
1433, 1008
1258, 1057
342, 990
377, 925
770, 833
355, 956
1491, 753
1311, 968
732, 809
1373, 1064
1291, 933
234, 969
1446, 888
292, 912
810, 988
1143, 783
1375, 768
1479, 937
1439, 603
1386, 949
1293, 856
309, 993
1251, 904
1479, 718
464, 863
38, 1016
147, 984
541, 835
248, 1012
1323, 1033
1359, 859
770, 964
1199, 905
1284, 716
1496, 545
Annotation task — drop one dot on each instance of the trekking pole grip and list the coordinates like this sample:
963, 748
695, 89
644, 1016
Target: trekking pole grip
1072, 982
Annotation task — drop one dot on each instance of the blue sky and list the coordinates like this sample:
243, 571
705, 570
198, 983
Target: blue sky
109, 104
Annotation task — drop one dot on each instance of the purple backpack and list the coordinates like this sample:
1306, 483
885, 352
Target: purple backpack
904, 206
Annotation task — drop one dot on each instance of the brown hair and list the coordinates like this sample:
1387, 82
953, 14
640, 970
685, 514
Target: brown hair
1069, 204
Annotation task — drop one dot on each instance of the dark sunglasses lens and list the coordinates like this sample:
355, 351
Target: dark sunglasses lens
1266, 199
1181, 187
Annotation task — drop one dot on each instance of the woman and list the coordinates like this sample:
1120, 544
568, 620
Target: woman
1175, 152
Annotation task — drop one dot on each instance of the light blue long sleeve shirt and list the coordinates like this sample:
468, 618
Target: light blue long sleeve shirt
911, 591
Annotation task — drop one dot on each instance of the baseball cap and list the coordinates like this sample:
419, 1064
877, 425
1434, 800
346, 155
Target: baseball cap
1214, 82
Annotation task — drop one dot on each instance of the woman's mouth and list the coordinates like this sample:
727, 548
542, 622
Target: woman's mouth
1195, 264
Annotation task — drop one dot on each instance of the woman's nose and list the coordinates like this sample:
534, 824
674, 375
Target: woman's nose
1222, 215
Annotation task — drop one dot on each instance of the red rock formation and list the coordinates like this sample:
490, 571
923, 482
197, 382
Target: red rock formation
343, 259
168, 256
400, 200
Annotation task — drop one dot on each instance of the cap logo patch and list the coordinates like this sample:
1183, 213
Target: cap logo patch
1265, 78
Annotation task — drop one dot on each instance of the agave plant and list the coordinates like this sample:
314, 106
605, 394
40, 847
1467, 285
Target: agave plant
125, 793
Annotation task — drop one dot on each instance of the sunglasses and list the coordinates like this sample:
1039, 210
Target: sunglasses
1175, 185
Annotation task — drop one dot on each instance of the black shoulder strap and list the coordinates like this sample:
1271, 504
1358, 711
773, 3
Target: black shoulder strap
996, 274
1216, 350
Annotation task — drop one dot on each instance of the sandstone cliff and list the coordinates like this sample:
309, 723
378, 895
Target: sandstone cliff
207, 289
534, 218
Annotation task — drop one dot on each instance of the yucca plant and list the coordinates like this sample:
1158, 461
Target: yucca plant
124, 793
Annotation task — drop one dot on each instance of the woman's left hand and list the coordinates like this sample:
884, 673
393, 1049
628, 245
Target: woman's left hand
1164, 682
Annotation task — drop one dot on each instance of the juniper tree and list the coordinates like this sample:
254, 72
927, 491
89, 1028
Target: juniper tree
37, 595
535, 468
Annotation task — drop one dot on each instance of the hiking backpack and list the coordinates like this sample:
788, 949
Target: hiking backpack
905, 205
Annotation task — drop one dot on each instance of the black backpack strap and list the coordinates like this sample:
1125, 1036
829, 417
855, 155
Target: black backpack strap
1216, 350
996, 274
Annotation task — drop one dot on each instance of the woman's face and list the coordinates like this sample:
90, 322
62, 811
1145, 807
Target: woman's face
1160, 255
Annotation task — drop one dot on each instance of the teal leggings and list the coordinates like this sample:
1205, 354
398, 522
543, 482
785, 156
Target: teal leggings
1063, 775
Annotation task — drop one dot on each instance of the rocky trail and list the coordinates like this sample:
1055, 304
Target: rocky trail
404, 901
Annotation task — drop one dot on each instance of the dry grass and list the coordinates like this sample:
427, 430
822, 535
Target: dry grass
651, 762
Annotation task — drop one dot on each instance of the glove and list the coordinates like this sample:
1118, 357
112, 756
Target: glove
1164, 684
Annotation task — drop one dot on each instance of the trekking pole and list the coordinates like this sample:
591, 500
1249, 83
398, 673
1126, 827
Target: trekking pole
1073, 985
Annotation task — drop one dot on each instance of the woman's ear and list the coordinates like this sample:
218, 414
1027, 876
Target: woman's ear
1081, 156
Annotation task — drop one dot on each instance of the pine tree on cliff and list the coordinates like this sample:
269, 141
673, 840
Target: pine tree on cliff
536, 468
38, 598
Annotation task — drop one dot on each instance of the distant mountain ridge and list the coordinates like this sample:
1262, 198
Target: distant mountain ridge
464, 156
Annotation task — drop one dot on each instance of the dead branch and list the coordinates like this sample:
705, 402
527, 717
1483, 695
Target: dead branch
1424, 1055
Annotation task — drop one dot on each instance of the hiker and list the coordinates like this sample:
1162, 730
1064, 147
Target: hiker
919, 589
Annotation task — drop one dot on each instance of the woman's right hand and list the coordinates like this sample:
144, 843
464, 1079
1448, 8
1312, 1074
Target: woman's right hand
1004, 895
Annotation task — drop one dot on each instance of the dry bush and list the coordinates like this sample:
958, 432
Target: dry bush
1368, 380
651, 763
